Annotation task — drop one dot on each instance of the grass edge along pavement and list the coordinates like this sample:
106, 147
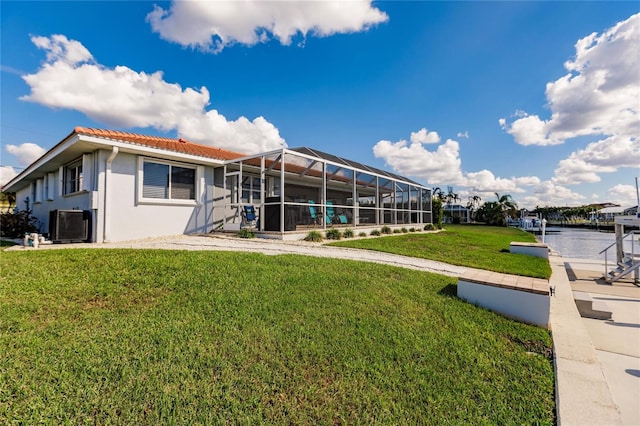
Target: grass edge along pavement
473, 246
157, 336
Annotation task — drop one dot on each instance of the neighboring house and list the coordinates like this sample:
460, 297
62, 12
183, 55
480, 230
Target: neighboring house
131, 186
608, 214
455, 213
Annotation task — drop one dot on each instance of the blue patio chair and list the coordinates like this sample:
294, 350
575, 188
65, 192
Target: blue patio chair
342, 218
331, 215
249, 215
313, 215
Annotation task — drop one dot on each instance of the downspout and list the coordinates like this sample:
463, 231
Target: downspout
107, 192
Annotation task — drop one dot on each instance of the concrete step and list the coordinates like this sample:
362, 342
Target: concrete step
589, 308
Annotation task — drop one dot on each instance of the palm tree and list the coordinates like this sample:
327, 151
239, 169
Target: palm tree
507, 206
437, 192
436, 206
473, 204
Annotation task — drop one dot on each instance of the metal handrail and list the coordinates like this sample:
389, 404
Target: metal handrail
618, 240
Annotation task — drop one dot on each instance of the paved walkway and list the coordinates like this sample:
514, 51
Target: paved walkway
226, 242
616, 342
597, 362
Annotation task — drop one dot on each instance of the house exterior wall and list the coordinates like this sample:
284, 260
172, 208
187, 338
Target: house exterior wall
131, 218
46, 194
117, 214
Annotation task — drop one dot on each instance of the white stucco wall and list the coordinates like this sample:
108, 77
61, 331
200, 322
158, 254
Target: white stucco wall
41, 209
132, 219
528, 307
530, 249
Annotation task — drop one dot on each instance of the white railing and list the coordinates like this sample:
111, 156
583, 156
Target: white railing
619, 242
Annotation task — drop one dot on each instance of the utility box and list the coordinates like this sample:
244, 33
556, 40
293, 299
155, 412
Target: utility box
69, 226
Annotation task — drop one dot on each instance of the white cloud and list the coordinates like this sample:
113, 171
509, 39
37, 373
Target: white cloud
464, 134
598, 96
625, 195
485, 181
212, 25
527, 180
435, 167
424, 136
548, 193
604, 156
122, 97
6, 174
26, 153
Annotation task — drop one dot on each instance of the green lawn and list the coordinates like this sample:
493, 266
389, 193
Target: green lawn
483, 247
147, 337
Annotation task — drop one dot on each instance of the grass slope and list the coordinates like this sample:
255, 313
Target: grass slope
482, 247
148, 337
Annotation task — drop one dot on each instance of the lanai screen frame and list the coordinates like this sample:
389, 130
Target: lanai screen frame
382, 198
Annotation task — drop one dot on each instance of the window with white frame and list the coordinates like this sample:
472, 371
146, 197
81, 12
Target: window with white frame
73, 177
168, 181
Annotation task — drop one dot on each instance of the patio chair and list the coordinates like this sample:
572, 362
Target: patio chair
313, 214
331, 215
342, 218
249, 217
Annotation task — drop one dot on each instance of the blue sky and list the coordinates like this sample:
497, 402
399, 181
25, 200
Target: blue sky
540, 100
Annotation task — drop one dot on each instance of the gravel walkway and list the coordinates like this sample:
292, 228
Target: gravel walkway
269, 247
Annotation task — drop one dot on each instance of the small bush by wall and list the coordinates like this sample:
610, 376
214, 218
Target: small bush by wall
385, 230
348, 233
375, 232
314, 236
246, 233
333, 234
16, 224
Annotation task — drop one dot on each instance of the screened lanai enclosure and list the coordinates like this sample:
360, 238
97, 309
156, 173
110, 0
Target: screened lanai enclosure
297, 190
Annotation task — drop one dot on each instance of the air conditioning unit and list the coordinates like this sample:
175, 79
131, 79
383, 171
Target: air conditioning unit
67, 226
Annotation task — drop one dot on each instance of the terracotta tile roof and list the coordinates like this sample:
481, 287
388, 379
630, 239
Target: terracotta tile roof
169, 144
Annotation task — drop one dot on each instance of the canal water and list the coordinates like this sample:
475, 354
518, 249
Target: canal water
579, 243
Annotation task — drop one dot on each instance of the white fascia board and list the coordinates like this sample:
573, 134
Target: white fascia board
97, 143
44, 159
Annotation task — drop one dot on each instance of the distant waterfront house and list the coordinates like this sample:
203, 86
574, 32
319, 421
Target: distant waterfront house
608, 214
456, 213
129, 186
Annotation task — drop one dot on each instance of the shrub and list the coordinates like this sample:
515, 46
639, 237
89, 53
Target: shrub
385, 230
15, 224
429, 227
362, 234
375, 232
412, 229
246, 233
396, 231
348, 233
404, 230
333, 234
314, 236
